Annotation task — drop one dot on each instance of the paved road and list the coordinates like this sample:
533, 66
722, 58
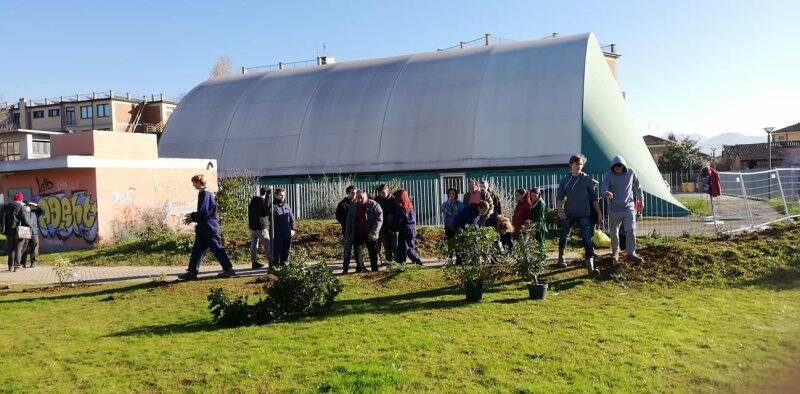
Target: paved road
42, 275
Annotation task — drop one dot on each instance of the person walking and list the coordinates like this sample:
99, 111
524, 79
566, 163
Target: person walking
16, 239
521, 211
282, 228
342, 210
389, 230
206, 233
538, 216
450, 209
621, 190
406, 223
363, 227
32, 213
577, 194
258, 222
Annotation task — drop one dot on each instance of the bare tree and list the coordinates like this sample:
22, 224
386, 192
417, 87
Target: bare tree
221, 68
6, 116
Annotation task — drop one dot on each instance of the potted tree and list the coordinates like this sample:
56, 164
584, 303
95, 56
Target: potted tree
481, 262
529, 261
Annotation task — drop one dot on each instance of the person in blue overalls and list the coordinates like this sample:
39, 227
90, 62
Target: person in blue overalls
282, 228
206, 233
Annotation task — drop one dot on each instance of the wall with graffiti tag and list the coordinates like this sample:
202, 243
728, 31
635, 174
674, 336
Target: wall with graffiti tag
72, 214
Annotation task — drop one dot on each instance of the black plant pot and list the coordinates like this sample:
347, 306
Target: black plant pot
537, 291
474, 291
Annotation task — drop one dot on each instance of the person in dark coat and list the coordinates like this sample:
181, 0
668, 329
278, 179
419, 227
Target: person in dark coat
13, 217
389, 232
258, 223
282, 228
32, 213
206, 233
406, 223
363, 226
342, 210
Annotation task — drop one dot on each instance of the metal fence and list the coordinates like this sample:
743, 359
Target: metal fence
749, 199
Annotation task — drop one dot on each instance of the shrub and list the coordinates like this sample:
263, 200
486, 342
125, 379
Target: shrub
482, 261
64, 270
298, 290
324, 195
234, 195
528, 258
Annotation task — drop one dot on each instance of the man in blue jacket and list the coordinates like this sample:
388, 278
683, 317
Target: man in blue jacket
621, 189
577, 193
206, 233
282, 228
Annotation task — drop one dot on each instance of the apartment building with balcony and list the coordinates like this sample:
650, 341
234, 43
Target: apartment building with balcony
95, 111
25, 132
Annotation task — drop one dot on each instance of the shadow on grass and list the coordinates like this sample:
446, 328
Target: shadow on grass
168, 329
783, 278
110, 291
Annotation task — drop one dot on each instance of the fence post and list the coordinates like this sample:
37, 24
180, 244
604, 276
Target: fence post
783, 196
436, 200
297, 204
746, 203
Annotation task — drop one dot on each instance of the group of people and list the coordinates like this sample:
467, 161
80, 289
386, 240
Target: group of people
20, 225
388, 221
271, 224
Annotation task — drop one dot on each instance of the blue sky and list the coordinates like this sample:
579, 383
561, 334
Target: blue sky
687, 66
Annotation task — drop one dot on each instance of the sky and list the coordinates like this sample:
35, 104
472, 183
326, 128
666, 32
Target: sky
703, 67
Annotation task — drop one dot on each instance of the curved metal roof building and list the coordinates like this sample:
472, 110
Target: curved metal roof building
523, 104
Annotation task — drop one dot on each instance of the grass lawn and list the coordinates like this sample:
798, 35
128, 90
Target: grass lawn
696, 205
777, 203
410, 331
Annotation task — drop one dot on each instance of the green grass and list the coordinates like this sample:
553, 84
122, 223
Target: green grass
696, 205
777, 203
410, 331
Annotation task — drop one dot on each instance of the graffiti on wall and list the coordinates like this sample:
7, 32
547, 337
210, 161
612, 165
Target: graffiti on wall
68, 216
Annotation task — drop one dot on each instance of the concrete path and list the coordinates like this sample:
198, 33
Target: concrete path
43, 275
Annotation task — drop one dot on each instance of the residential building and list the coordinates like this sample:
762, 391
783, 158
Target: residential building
96, 111
787, 134
656, 146
756, 156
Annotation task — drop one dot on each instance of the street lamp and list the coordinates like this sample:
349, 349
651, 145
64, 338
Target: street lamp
768, 130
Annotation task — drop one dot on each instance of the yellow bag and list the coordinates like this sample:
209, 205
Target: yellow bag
600, 239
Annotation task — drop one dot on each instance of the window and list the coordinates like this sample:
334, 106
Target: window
54, 113
70, 116
9, 151
38, 114
102, 110
16, 119
41, 147
86, 112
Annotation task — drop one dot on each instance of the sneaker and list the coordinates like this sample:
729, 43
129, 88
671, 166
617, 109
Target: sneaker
226, 273
561, 263
15, 269
257, 266
635, 259
188, 275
